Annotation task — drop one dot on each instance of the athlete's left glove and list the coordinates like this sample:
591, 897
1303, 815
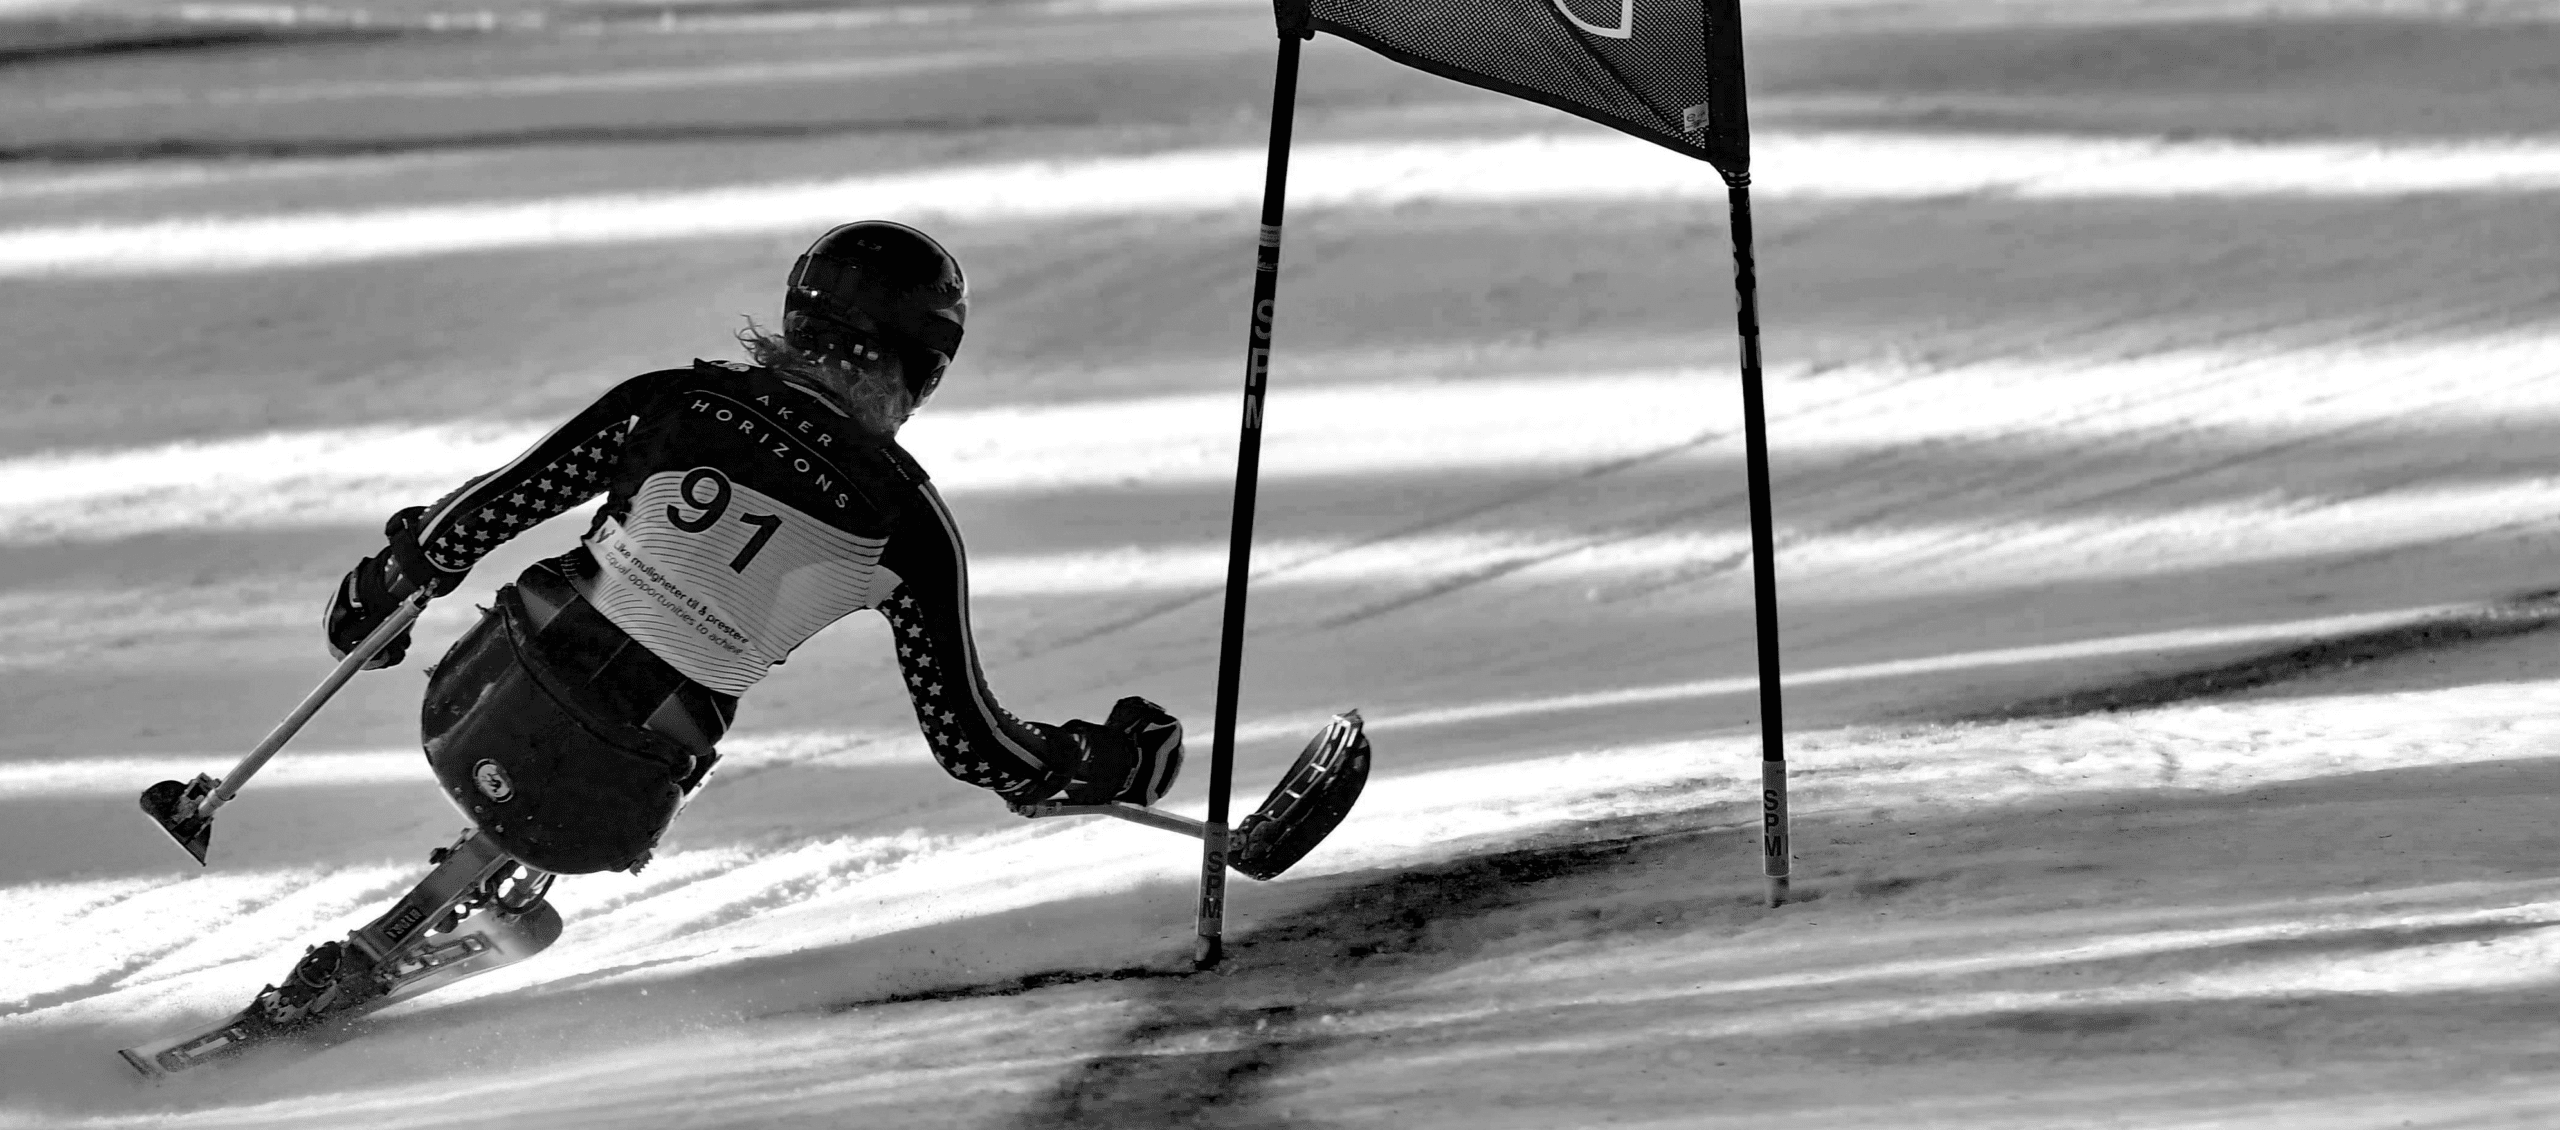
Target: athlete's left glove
1132, 757
378, 585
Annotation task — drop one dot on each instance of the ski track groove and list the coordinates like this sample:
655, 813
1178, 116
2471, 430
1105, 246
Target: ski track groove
572, 982
1425, 525
2385, 553
630, 921
1993, 483
80, 904
2524, 614
101, 985
1839, 476
800, 875
677, 912
1464, 512
2119, 959
246, 902
303, 912
1999, 489
75, 153
2256, 456
1469, 578
681, 872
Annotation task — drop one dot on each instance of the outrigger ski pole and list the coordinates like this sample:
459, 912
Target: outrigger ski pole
185, 811
1311, 798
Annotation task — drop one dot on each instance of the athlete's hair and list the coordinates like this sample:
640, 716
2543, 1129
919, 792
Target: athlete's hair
876, 398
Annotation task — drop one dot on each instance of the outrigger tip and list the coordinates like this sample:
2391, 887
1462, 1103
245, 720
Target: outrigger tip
175, 807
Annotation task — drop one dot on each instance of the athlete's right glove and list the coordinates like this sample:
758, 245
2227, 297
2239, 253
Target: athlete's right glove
378, 585
1133, 756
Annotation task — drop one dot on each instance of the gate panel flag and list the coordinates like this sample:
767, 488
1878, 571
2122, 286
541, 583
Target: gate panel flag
1668, 71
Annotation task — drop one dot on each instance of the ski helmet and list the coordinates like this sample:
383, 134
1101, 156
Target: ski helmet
878, 284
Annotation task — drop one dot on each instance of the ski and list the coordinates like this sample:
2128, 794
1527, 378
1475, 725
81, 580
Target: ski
461, 921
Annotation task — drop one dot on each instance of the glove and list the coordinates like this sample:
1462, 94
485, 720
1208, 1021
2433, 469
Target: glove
378, 585
1133, 756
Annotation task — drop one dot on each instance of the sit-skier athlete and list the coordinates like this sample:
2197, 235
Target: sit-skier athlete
747, 506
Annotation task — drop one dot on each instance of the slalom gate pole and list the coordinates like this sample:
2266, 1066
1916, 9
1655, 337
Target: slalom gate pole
1726, 134
1774, 857
1211, 945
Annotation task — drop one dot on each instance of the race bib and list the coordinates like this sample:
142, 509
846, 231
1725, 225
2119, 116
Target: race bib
722, 580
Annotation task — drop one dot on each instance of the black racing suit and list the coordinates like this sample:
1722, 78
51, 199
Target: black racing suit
743, 513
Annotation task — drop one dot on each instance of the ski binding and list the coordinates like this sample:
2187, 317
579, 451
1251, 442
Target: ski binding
464, 919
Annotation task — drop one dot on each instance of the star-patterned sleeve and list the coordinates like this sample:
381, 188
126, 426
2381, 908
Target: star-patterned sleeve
571, 465
976, 739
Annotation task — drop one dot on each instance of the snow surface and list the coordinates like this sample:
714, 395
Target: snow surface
2160, 399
